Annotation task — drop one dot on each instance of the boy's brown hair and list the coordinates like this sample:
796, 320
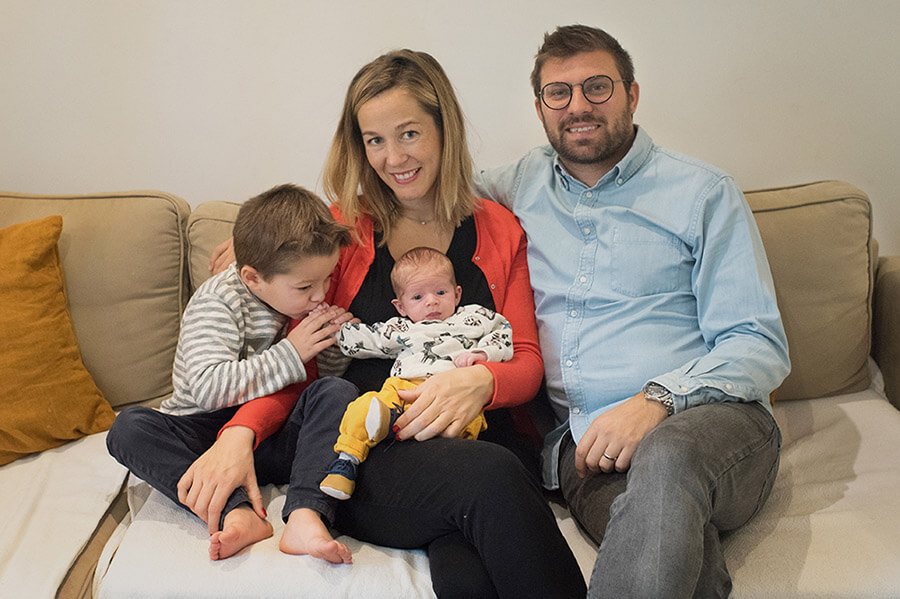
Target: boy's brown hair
417, 259
283, 225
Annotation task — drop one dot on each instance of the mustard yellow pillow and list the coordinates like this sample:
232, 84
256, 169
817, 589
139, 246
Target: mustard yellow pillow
47, 397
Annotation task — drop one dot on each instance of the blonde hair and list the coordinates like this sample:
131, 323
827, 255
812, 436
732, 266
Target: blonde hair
416, 260
285, 224
347, 171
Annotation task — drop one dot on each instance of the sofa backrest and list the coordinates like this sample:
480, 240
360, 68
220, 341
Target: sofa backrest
818, 240
123, 258
127, 258
822, 255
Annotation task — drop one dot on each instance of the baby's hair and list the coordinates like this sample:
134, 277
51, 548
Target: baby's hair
416, 260
285, 224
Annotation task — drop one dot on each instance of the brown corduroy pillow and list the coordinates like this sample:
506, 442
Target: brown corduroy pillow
47, 397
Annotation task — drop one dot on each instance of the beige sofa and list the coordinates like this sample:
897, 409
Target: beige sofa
831, 527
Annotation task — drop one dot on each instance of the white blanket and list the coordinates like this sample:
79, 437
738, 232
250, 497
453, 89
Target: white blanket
164, 554
51, 504
830, 529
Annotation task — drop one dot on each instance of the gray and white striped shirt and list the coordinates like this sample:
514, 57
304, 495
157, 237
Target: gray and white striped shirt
231, 349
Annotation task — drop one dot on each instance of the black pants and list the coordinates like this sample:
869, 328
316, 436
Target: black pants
159, 448
482, 517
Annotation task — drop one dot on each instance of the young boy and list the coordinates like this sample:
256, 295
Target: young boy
431, 335
252, 331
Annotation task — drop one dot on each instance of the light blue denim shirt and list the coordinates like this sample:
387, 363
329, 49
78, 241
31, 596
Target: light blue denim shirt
657, 273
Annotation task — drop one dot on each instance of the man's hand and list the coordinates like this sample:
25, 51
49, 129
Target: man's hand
613, 436
227, 465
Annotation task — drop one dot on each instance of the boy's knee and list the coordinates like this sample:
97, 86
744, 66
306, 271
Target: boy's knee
331, 387
129, 423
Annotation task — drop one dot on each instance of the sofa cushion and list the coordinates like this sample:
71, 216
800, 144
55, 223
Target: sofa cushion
209, 225
818, 241
48, 398
124, 259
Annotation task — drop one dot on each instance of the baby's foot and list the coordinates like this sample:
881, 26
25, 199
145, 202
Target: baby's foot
242, 527
306, 534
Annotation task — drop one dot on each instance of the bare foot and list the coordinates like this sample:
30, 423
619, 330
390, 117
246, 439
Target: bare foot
242, 527
306, 534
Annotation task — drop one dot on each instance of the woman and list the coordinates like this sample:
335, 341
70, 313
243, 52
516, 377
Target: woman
482, 517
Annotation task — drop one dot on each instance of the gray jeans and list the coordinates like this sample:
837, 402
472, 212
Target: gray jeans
700, 472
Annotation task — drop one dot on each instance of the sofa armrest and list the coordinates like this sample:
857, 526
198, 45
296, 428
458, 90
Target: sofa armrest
886, 325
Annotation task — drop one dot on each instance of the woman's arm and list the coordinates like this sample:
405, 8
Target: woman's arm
222, 255
517, 381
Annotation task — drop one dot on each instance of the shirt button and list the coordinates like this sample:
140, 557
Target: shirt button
477, 258
620, 181
583, 279
569, 362
573, 313
729, 386
493, 287
576, 410
589, 194
587, 230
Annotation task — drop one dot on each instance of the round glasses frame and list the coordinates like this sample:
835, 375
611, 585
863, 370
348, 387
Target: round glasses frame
593, 98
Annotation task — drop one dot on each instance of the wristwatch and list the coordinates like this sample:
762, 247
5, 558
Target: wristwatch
658, 393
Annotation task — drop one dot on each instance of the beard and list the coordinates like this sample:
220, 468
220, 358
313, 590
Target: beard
618, 135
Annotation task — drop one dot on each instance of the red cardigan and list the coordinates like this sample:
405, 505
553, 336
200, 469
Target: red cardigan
499, 254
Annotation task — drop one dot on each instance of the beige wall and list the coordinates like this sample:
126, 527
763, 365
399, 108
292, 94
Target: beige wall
222, 99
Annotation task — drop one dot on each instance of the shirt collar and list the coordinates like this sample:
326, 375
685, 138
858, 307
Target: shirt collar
636, 157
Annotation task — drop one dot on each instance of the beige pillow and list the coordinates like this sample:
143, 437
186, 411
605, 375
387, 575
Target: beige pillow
209, 225
47, 397
818, 241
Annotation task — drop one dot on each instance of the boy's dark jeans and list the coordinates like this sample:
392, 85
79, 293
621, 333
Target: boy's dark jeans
159, 448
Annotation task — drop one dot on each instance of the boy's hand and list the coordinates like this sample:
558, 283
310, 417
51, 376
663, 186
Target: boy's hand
469, 358
227, 465
317, 331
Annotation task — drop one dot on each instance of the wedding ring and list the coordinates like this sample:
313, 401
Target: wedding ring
609, 457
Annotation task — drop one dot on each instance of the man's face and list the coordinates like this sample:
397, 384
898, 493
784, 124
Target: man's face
587, 135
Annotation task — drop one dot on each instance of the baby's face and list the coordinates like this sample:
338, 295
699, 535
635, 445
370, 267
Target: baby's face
428, 296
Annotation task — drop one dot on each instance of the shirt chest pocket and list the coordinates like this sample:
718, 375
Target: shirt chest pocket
647, 262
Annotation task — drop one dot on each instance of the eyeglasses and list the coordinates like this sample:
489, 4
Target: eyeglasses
597, 90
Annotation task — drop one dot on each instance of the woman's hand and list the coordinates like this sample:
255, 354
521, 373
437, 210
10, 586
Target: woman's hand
221, 256
227, 465
445, 403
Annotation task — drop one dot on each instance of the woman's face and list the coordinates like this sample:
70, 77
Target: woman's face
402, 144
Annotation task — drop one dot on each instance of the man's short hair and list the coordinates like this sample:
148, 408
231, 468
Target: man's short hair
570, 40
416, 260
285, 224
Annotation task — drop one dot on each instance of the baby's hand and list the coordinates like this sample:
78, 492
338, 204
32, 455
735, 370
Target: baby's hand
469, 358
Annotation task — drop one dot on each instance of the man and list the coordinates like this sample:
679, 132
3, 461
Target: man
659, 328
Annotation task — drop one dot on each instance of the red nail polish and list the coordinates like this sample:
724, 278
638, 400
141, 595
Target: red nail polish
396, 428
397, 437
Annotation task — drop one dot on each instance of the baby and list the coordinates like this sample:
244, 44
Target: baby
431, 335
